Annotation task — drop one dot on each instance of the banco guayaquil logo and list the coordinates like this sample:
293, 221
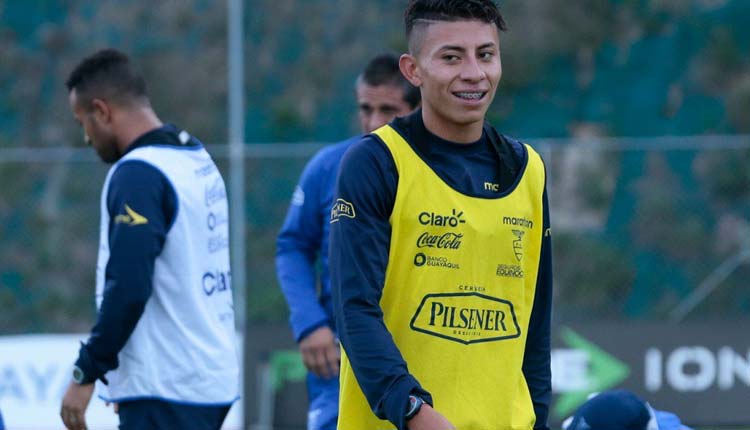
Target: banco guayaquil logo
342, 208
466, 318
420, 259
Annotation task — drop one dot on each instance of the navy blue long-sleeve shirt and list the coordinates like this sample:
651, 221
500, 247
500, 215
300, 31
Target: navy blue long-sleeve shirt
133, 251
359, 251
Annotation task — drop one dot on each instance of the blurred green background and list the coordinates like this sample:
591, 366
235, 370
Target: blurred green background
641, 109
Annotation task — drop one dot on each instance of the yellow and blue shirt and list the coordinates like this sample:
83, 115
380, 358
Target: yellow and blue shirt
441, 274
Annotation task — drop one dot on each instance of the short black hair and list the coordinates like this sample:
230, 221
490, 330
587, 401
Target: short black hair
452, 10
384, 70
107, 74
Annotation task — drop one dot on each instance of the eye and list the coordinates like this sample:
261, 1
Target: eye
487, 55
450, 58
365, 109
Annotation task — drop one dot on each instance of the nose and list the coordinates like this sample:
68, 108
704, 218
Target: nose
471, 70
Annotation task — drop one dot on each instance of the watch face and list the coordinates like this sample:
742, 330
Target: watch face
412, 402
77, 375
414, 405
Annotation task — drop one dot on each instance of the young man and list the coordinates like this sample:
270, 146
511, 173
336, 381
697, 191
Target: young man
440, 250
164, 339
382, 94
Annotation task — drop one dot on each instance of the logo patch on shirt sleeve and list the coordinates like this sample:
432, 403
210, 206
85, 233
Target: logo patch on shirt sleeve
131, 217
298, 197
342, 208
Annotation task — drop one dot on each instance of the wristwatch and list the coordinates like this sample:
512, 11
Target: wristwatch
415, 403
78, 376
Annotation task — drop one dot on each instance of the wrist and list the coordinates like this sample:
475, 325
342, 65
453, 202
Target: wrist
414, 406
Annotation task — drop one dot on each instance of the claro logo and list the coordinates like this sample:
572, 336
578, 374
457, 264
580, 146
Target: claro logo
431, 218
216, 282
466, 318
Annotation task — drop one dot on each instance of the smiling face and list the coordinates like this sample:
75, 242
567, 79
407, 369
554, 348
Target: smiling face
457, 66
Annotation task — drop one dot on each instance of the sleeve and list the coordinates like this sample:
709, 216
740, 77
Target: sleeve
297, 249
142, 206
360, 241
536, 361
669, 421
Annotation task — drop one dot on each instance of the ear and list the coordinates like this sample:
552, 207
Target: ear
101, 110
410, 69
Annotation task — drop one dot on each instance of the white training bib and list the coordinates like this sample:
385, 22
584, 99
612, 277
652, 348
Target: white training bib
183, 347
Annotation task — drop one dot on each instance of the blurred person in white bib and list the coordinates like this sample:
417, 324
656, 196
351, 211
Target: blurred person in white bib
164, 339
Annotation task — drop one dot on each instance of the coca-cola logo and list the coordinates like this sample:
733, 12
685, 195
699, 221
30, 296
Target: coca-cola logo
215, 192
440, 241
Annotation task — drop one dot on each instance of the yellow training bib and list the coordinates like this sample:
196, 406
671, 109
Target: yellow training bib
459, 290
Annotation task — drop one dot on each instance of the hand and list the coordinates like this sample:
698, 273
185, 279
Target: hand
321, 353
428, 419
75, 402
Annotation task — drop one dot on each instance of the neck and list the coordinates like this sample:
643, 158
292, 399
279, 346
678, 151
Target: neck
451, 131
135, 123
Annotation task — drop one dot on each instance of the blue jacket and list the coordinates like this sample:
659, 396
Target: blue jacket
303, 241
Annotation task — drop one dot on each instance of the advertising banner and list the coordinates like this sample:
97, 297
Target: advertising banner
35, 371
701, 372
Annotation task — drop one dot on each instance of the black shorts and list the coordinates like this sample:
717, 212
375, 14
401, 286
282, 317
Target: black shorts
151, 414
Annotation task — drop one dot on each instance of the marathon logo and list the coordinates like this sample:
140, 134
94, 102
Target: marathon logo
342, 208
518, 222
466, 318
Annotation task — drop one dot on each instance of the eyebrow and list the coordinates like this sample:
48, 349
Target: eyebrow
462, 49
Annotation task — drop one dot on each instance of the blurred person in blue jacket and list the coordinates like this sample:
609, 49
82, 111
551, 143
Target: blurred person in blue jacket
620, 409
382, 94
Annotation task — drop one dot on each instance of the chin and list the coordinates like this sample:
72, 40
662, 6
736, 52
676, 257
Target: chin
469, 118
